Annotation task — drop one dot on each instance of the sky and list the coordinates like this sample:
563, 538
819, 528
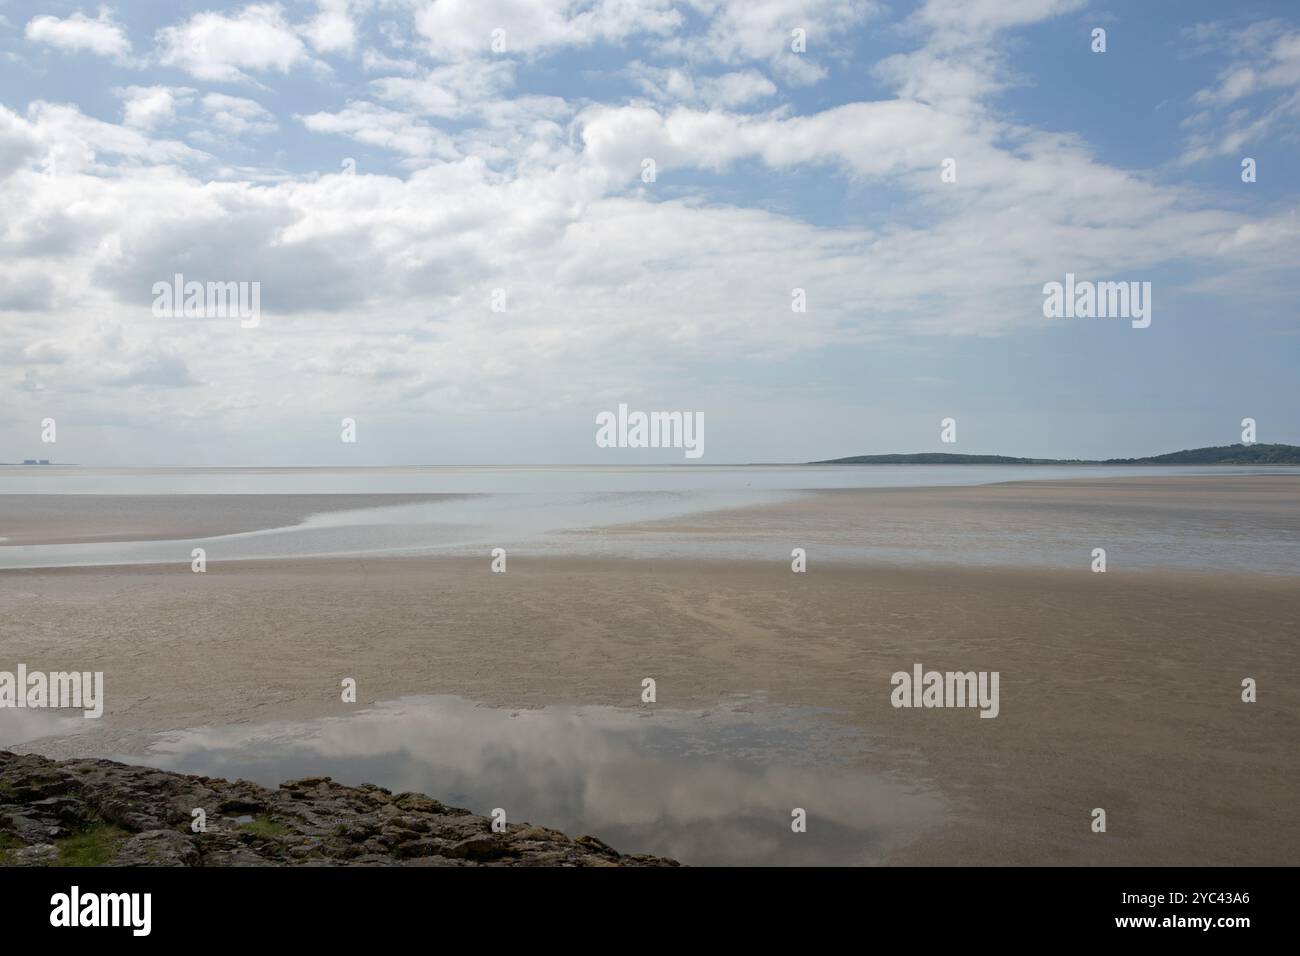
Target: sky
447, 211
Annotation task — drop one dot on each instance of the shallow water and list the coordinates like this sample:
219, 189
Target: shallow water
20, 726
705, 787
565, 479
536, 510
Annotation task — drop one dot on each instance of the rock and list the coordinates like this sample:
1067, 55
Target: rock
312, 821
43, 854
419, 803
490, 847
531, 832
419, 848
305, 783
240, 805
158, 848
65, 809
596, 846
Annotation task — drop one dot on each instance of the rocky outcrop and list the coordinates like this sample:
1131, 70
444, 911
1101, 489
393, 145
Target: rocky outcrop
97, 812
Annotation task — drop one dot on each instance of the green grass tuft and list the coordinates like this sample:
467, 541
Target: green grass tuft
92, 847
9, 843
264, 826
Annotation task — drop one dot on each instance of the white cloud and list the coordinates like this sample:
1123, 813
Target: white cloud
235, 115
213, 46
449, 91
19, 142
376, 125
77, 33
332, 30
865, 139
1255, 94
74, 142
743, 31
963, 22
457, 29
507, 132
402, 270
963, 62
376, 62
147, 107
729, 90
1277, 67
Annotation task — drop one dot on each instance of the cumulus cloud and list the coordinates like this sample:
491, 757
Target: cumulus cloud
332, 30
147, 107
79, 33
214, 46
19, 142
866, 139
77, 142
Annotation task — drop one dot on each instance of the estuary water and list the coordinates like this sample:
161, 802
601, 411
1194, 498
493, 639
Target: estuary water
588, 509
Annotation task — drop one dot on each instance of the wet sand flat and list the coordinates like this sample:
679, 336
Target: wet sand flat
1229, 522
1118, 690
81, 519
1269, 500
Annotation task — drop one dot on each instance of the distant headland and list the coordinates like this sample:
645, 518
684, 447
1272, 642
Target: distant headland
1254, 454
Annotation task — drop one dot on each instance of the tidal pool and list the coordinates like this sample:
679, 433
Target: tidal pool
713, 787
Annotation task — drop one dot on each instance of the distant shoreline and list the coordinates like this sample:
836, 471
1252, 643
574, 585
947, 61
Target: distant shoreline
1239, 454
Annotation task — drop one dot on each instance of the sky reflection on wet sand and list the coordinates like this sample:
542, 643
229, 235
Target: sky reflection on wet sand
711, 787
